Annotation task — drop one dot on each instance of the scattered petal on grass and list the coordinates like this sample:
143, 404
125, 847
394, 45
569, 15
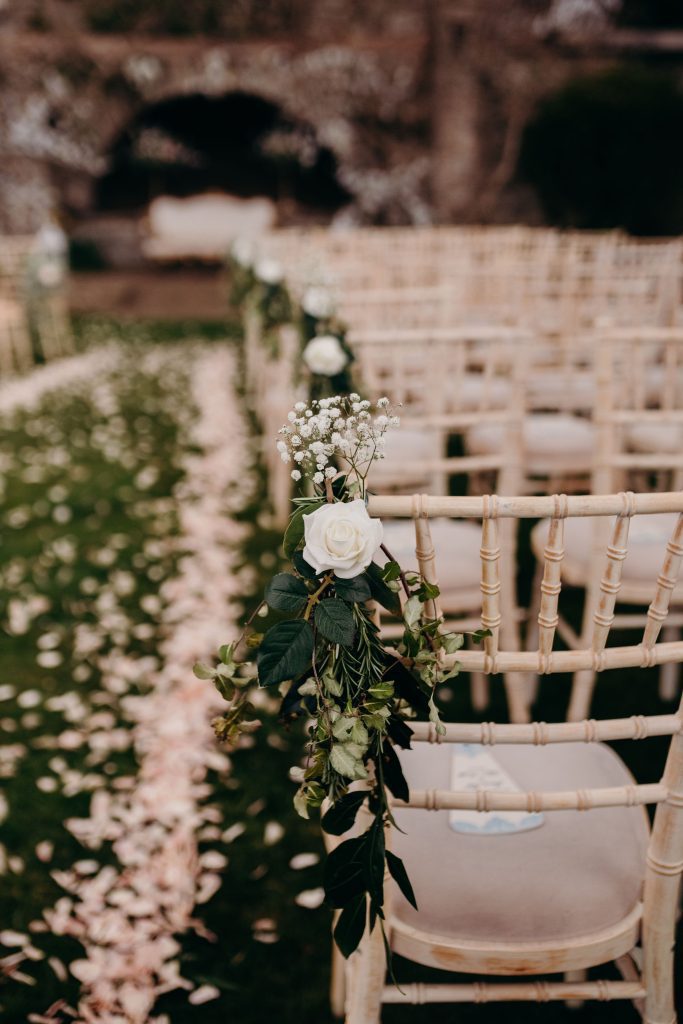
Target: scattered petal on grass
304, 860
311, 899
203, 994
273, 833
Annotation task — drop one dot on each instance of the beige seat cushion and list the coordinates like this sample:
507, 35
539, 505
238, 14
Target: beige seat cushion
404, 455
578, 873
647, 540
548, 440
458, 562
477, 391
656, 438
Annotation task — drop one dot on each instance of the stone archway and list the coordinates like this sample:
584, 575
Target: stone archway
239, 143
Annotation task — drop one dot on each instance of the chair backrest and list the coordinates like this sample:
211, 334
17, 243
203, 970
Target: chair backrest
665, 853
445, 382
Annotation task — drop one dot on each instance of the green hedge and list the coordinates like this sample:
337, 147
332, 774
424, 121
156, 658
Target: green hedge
607, 150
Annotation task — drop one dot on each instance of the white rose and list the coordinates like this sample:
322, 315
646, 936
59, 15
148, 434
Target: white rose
269, 271
50, 274
317, 302
324, 355
243, 251
341, 537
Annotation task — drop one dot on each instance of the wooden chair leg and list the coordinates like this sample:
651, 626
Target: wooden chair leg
338, 981
669, 675
366, 973
582, 693
570, 976
480, 693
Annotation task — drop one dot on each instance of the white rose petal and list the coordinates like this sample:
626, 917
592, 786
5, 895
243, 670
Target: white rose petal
325, 356
341, 537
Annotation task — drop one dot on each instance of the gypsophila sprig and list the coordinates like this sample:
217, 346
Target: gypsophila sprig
321, 437
329, 661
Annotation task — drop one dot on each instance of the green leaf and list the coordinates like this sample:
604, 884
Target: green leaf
203, 671
225, 653
412, 610
380, 591
351, 925
344, 760
393, 775
294, 533
342, 814
302, 566
344, 877
400, 876
480, 634
286, 593
334, 619
356, 590
373, 860
391, 572
285, 653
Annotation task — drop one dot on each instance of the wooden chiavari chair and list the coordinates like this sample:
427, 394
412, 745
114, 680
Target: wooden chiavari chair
567, 890
627, 408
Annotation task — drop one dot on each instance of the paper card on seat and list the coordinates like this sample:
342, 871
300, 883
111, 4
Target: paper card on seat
474, 767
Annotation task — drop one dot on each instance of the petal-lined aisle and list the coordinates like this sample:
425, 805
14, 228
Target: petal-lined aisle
137, 471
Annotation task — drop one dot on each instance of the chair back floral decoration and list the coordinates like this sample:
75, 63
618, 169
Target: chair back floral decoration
327, 657
325, 355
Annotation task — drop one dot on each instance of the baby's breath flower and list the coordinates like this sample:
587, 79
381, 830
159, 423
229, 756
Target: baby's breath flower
331, 432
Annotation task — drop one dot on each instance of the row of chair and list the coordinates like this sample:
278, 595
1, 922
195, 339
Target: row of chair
578, 417
34, 316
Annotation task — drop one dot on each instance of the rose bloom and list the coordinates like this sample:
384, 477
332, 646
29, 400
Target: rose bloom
317, 302
325, 356
269, 271
341, 537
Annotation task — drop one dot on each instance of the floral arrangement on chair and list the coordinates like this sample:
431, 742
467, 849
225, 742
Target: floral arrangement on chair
327, 657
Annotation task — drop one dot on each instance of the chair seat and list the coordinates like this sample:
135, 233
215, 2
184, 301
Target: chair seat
460, 563
648, 537
550, 441
656, 438
405, 453
476, 391
575, 875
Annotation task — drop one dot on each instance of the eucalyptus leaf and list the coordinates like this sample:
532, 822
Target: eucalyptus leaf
412, 610
334, 620
286, 593
285, 653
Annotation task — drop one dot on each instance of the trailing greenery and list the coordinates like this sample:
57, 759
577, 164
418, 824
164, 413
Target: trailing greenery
329, 661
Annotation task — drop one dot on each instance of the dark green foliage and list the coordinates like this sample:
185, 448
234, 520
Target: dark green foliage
606, 152
286, 593
342, 815
285, 652
334, 620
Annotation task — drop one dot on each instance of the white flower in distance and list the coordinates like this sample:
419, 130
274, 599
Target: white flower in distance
243, 251
341, 537
325, 356
269, 271
317, 302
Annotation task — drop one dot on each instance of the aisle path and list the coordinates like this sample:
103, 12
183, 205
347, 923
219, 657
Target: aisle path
126, 910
